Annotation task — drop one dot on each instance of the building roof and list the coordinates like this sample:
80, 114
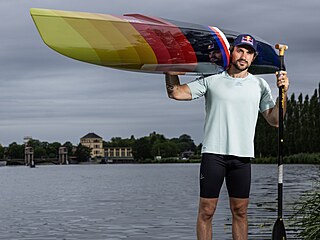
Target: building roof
91, 135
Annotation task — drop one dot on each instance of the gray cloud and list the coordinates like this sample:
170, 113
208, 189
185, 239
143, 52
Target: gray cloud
53, 98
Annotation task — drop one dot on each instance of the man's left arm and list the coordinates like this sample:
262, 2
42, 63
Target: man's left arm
272, 115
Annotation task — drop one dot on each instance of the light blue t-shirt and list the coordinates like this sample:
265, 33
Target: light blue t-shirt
232, 107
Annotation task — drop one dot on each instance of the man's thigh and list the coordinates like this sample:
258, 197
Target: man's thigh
212, 174
238, 177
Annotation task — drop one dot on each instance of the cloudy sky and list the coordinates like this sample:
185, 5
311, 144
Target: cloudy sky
53, 98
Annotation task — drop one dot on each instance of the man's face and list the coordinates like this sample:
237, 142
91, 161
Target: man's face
242, 57
216, 57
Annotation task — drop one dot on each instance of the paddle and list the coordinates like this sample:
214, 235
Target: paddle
279, 232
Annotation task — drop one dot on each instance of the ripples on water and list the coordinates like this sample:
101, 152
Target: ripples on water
136, 202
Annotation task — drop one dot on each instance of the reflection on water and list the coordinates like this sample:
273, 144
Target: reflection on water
136, 202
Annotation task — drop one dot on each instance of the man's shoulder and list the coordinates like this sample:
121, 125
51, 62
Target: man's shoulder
259, 79
256, 77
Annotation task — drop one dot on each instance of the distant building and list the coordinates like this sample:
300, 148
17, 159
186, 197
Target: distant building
187, 154
94, 142
119, 154
26, 139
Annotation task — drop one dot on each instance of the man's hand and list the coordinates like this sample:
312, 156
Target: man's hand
283, 80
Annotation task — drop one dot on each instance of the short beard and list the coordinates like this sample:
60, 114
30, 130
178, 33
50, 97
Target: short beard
240, 68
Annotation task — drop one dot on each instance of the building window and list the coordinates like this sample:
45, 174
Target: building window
111, 153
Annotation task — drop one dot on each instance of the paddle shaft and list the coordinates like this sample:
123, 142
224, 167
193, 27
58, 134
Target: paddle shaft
279, 232
282, 49
280, 144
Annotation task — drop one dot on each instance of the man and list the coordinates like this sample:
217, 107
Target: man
215, 54
233, 100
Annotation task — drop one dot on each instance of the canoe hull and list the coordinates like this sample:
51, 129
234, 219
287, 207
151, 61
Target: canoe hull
142, 43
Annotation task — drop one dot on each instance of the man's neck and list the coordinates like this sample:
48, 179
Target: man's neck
235, 73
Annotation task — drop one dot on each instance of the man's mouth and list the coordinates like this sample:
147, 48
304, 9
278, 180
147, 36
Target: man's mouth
242, 61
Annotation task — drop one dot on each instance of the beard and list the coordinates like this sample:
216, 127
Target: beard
239, 66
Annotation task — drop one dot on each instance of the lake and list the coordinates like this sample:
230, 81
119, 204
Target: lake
134, 201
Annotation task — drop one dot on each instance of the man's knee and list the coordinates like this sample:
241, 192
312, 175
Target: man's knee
239, 207
240, 212
207, 207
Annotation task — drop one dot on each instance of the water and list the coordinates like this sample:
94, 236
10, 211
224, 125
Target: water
136, 202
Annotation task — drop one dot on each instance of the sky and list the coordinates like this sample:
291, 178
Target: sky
53, 98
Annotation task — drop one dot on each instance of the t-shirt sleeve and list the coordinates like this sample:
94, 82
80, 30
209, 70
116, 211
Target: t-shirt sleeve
266, 101
198, 87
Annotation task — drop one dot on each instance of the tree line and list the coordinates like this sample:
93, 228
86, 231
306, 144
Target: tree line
44, 150
156, 144
144, 148
301, 128
301, 135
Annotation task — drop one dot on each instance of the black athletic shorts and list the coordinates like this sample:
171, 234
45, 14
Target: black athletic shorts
215, 168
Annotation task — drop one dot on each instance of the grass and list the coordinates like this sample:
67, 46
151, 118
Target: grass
300, 158
307, 215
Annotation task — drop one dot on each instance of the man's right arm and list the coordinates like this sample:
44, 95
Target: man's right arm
175, 90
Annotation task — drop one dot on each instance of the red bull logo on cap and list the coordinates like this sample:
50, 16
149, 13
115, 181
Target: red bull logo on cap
247, 39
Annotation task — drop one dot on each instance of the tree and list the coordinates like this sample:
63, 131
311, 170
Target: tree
301, 128
39, 152
119, 142
314, 125
53, 149
186, 143
265, 139
141, 149
289, 126
156, 137
16, 151
1, 152
69, 146
39, 148
165, 149
83, 153
198, 149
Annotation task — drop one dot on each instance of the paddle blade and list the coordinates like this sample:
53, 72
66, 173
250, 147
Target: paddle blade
279, 232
